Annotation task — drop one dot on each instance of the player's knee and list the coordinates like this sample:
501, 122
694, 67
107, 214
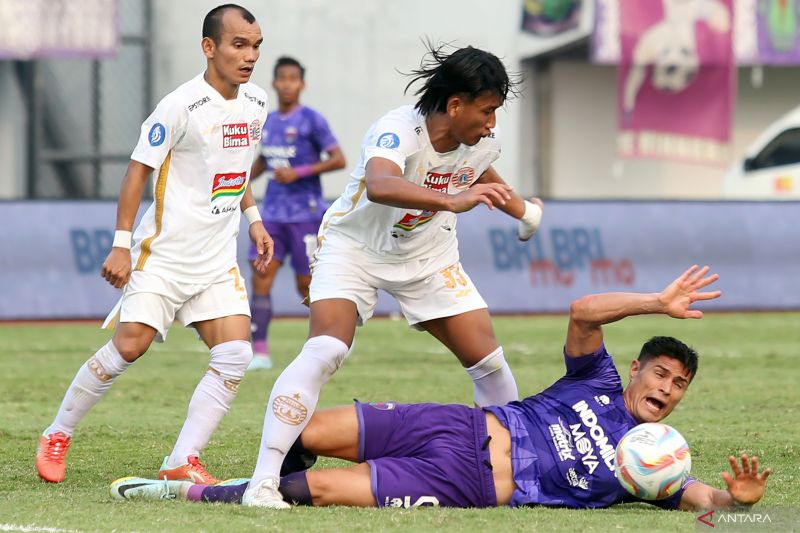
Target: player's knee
324, 352
230, 359
131, 348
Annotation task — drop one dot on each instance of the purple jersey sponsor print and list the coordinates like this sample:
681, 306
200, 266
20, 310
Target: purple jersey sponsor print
295, 139
564, 439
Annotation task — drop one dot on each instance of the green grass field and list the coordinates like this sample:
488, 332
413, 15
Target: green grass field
744, 399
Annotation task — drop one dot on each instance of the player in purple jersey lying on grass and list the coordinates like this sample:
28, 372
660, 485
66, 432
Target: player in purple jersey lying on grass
295, 136
555, 448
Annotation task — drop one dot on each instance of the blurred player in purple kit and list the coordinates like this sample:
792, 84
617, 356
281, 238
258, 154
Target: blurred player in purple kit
294, 138
555, 448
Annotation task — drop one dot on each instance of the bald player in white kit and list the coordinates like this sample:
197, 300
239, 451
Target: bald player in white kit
202, 138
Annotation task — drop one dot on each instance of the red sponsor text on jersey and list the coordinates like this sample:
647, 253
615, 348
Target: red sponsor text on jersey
235, 135
434, 181
230, 184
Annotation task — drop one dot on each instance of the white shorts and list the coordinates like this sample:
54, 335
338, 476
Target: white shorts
157, 301
426, 289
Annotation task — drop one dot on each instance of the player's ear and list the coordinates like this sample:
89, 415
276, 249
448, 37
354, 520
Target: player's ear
209, 47
635, 367
454, 105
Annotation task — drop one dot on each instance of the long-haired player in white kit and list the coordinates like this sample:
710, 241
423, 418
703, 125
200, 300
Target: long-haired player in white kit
394, 228
202, 138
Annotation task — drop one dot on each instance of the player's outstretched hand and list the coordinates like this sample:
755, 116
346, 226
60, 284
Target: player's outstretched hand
264, 246
679, 295
747, 484
491, 194
117, 267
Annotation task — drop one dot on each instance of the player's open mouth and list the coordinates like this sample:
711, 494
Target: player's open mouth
654, 404
246, 70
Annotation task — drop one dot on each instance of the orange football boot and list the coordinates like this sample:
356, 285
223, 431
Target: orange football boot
193, 471
51, 455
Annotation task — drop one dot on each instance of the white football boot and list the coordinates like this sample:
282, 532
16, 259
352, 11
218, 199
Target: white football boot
264, 494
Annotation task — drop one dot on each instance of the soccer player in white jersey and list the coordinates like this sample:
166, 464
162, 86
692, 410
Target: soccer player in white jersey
202, 138
394, 228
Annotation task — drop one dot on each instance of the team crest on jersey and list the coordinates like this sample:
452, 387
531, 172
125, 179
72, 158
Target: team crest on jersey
255, 130
235, 135
230, 184
290, 135
157, 134
463, 177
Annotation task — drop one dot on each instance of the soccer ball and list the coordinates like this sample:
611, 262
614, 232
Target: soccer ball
653, 461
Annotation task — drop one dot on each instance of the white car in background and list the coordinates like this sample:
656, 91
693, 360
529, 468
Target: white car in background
770, 168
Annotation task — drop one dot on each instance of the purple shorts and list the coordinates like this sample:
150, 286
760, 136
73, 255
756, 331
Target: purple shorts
426, 454
289, 238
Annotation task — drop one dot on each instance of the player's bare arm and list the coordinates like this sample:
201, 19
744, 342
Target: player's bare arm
589, 313
745, 487
529, 213
258, 168
335, 161
117, 266
386, 185
258, 233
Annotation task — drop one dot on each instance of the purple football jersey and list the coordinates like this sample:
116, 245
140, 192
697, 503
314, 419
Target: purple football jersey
564, 439
297, 138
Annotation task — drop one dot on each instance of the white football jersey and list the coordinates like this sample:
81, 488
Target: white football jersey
399, 234
202, 147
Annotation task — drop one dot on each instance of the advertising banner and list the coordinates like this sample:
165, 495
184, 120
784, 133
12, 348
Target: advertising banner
51, 270
676, 80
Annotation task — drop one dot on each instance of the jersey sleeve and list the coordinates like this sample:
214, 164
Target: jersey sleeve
160, 132
673, 501
598, 365
321, 134
392, 139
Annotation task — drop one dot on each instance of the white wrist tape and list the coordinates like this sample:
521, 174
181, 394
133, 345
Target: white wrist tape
252, 214
529, 222
122, 239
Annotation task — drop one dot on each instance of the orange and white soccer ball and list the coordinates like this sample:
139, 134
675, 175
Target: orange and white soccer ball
653, 461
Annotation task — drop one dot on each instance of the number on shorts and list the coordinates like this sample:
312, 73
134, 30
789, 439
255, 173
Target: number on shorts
453, 277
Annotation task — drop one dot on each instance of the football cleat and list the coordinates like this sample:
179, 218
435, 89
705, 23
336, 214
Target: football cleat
264, 494
51, 455
138, 488
193, 471
260, 362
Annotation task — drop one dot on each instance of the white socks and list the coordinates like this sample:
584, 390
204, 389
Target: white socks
91, 383
293, 400
493, 382
211, 399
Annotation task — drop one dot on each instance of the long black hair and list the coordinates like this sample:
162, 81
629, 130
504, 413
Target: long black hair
469, 71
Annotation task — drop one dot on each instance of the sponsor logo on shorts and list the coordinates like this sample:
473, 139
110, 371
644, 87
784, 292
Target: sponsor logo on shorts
463, 177
388, 140
157, 134
235, 135
289, 409
228, 184
255, 130
405, 502
383, 406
